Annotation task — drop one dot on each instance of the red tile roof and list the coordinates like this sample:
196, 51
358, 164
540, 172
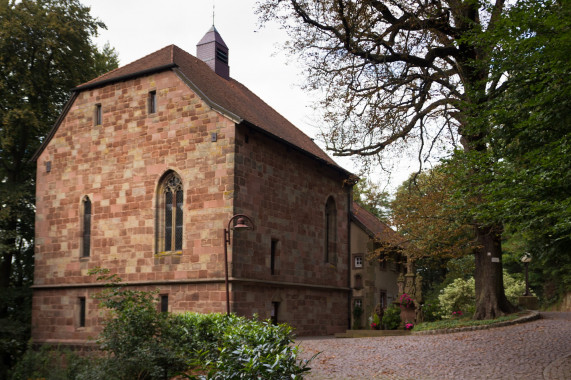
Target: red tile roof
227, 96
373, 226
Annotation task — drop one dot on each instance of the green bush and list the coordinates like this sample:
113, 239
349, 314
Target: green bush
391, 318
49, 362
460, 295
357, 313
143, 343
431, 310
139, 340
253, 349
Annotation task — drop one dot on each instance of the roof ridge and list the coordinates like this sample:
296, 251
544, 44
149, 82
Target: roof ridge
130, 64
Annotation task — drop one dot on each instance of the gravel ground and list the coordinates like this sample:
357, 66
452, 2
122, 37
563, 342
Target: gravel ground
523, 351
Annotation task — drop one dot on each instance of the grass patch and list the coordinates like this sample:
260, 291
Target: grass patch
463, 322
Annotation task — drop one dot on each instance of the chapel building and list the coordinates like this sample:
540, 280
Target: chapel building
143, 172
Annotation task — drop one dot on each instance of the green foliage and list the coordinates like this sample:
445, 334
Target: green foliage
527, 183
431, 310
460, 294
391, 318
143, 343
252, 349
372, 198
50, 363
357, 313
431, 219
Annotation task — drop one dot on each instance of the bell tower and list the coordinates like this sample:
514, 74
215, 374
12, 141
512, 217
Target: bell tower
212, 50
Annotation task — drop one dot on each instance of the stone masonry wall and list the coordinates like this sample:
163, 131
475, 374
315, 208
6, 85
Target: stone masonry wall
118, 165
285, 192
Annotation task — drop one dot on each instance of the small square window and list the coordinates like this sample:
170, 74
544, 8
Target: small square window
358, 261
152, 102
98, 115
358, 303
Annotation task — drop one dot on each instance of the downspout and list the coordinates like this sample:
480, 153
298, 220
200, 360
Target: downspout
350, 293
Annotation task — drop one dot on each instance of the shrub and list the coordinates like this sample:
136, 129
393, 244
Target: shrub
140, 341
253, 349
357, 313
49, 362
431, 310
459, 295
391, 318
143, 343
375, 321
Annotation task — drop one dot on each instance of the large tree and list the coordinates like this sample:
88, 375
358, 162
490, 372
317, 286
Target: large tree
528, 184
395, 71
46, 49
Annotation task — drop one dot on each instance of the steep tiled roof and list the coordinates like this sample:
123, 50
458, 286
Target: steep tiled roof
227, 96
373, 226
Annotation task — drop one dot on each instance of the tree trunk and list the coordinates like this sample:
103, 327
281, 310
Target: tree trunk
491, 301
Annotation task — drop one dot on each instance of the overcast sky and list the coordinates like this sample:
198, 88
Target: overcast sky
136, 28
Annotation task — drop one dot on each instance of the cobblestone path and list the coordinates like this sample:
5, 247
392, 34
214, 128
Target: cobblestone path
535, 350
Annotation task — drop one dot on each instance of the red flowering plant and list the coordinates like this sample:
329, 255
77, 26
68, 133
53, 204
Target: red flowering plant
375, 322
408, 325
406, 301
457, 314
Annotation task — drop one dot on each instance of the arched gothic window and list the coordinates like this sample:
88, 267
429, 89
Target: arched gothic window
170, 214
330, 231
86, 227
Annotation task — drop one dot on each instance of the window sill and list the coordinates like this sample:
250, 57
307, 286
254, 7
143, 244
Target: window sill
168, 253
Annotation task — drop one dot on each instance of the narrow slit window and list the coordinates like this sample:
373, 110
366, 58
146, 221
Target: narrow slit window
273, 256
152, 102
98, 115
86, 230
82, 312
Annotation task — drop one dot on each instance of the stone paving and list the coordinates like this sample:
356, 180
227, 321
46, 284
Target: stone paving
534, 350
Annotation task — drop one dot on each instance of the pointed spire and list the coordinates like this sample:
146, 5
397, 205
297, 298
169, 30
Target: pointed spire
212, 50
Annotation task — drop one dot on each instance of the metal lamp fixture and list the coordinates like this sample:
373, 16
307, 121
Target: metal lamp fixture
526, 259
240, 225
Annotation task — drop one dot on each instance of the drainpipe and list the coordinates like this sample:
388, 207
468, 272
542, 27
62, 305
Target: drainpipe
350, 293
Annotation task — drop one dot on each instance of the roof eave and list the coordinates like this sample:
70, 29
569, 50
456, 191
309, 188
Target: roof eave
297, 148
125, 77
